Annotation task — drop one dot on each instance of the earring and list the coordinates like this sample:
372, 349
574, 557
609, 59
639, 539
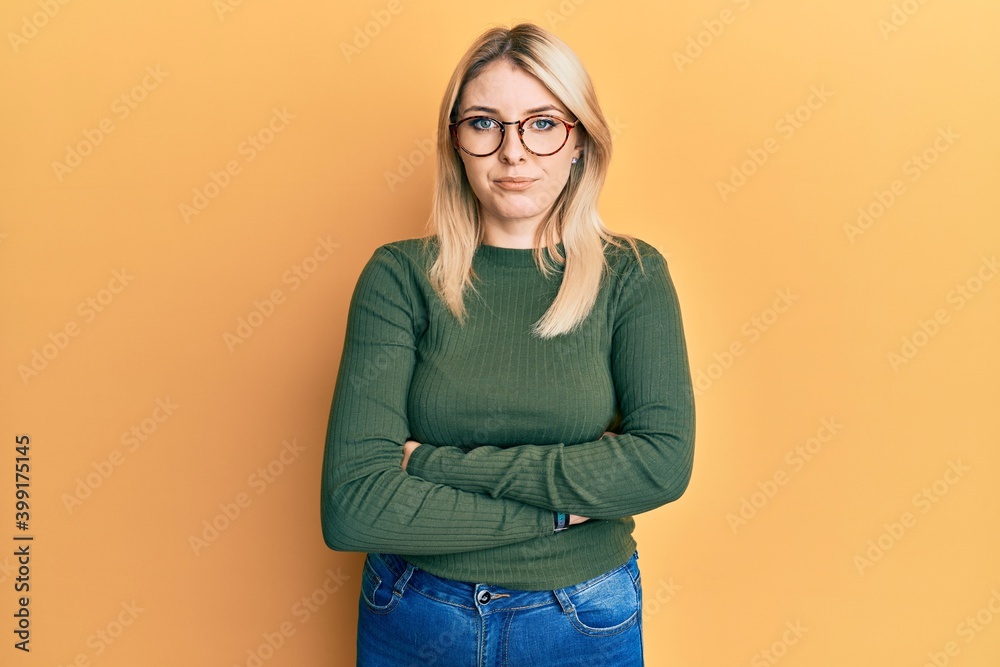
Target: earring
575, 159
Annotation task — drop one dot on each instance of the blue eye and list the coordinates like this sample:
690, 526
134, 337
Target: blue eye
539, 124
489, 124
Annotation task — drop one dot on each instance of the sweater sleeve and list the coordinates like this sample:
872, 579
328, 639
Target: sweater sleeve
368, 502
647, 465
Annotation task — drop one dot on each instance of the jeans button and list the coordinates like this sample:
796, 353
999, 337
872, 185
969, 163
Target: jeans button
484, 597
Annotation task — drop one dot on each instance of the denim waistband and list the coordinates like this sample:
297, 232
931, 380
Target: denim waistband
465, 593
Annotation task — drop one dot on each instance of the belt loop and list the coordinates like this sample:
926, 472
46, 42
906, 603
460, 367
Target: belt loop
632, 565
564, 601
404, 578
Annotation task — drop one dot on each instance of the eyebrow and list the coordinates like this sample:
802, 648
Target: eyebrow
547, 107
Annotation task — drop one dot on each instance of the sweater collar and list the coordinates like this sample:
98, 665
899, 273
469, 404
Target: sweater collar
512, 257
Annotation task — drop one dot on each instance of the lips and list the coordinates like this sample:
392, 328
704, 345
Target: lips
516, 183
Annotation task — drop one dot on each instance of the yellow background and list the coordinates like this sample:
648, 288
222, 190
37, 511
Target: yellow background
695, 90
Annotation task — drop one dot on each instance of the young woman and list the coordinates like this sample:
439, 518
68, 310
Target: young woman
514, 387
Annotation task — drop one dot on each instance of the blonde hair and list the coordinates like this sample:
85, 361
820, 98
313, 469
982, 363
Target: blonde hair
454, 219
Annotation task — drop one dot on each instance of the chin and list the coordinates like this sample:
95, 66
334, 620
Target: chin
517, 203
508, 213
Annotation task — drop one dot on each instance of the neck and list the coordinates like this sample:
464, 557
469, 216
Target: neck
501, 238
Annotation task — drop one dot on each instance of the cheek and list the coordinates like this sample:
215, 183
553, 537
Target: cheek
556, 180
473, 172
479, 180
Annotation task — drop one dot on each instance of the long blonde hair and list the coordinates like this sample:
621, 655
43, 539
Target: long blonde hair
454, 219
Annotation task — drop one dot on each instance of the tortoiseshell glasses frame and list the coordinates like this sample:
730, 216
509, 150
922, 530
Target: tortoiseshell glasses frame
503, 131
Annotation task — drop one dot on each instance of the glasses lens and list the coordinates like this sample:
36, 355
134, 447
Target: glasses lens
542, 135
479, 135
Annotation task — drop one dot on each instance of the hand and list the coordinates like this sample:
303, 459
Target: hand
609, 433
408, 448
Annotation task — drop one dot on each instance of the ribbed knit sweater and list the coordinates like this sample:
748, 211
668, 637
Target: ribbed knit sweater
512, 426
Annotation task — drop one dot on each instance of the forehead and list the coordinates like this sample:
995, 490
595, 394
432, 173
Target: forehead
508, 89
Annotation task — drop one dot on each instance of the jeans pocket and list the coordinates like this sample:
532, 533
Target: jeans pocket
607, 604
378, 585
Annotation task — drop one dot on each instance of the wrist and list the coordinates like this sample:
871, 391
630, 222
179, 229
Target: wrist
560, 521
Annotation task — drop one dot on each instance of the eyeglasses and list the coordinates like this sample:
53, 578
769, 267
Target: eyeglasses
481, 136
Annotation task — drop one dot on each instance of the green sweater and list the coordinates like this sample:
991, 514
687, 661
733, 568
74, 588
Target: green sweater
512, 426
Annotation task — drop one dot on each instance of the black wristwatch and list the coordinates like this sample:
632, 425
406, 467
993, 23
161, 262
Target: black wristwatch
560, 521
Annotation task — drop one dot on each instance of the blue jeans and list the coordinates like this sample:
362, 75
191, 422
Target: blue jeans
409, 617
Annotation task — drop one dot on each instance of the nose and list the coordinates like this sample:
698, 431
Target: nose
511, 148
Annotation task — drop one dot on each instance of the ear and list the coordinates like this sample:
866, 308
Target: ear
581, 141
